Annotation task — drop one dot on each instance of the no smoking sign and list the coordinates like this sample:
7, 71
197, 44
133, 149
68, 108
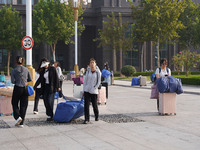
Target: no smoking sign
27, 42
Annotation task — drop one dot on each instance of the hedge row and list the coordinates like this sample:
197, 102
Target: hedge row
117, 74
190, 81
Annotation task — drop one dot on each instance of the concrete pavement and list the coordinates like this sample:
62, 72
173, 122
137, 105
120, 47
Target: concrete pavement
180, 132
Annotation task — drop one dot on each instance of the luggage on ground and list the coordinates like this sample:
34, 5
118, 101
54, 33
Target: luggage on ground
135, 81
143, 81
105, 84
69, 110
77, 89
101, 97
167, 103
5, 105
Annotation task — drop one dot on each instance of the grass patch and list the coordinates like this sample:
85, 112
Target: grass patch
190, 80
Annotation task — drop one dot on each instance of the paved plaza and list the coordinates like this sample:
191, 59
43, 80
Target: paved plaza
140, 128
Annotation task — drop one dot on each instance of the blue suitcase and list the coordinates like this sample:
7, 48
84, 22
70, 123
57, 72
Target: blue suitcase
135, 81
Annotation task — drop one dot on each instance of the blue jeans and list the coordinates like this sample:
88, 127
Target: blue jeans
48, 100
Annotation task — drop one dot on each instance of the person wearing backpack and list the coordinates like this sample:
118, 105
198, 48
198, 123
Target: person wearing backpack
162, 72
90, 88
20, 75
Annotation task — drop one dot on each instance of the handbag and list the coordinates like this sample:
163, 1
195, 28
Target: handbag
154, 92
62, 77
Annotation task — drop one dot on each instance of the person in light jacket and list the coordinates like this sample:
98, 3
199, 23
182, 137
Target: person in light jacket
162, 72
20, 75
90, 88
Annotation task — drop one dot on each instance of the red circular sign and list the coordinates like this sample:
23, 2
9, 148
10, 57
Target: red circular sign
27, 42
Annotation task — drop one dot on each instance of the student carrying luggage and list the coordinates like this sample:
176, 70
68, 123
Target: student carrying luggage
162, 72
90, 88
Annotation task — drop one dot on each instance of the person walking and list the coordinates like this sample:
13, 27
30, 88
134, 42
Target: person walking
49, 85
38, 91
20, 75
162, 72
60, 76
90, 88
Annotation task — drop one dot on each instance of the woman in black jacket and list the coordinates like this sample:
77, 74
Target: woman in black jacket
49, 84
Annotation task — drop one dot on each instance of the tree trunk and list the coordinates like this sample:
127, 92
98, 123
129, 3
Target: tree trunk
121, 59
142, 56
53, 48
120, 44
114, 60
158, 53
8, 65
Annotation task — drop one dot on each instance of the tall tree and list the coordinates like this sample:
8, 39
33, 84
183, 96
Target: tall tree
113, 37
10, 31
53, 21
190, 18
157, 20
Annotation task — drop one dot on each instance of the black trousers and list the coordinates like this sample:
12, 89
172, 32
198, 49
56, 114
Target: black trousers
90, 98
38, 92
19, 102
60, 92
48, 100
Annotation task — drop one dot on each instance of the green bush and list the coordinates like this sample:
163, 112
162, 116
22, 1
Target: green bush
65, 72
5, 69
117, 74
128, 70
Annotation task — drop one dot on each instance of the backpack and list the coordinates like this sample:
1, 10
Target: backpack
153, 76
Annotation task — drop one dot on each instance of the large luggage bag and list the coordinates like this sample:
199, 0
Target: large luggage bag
69, 110
101, 97
77, 91
143, 81
105, 84
135, 81
167, 103
5, 105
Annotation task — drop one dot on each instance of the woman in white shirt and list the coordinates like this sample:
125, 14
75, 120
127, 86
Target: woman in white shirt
162, 72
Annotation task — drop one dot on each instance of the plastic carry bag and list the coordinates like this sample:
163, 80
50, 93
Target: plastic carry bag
169, 84
69, 110
105, 73
30, 90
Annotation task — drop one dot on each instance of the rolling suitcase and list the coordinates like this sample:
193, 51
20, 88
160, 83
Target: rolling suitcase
143, 81
105, 84
5, 105
101, 97
167, 103
77, 91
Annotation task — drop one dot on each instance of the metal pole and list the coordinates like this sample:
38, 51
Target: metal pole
29, 29
76, 44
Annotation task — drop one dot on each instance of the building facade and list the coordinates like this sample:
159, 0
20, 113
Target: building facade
93, 18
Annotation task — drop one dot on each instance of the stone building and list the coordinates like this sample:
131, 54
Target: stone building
93, 16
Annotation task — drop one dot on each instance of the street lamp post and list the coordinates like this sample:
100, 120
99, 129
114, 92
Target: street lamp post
76, 5
29, 52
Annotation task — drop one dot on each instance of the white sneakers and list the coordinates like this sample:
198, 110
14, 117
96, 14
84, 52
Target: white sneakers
18, 121
35, 112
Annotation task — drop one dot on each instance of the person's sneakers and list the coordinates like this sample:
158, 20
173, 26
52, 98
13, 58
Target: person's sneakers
85, 122
35, 112
21, 126
18, 121
96, 119
50, 118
